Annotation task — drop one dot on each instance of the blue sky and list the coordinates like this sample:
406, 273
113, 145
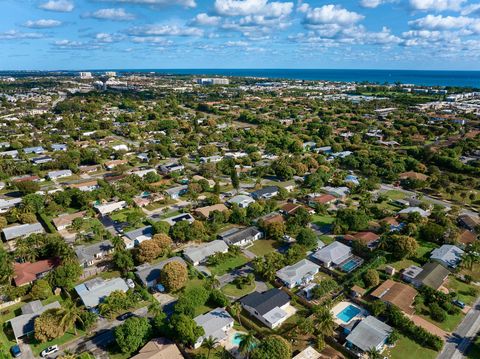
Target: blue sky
99, 34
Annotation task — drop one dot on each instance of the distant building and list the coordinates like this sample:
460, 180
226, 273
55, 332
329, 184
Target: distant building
243, 201
85, 75
110, 207
213, 81
53, 175
240, 236
95, 290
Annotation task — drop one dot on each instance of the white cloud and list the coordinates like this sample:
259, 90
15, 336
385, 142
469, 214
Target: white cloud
206, 20
105, 38
253, 7
42, 23
75, 45
185, 3
236, 43
372, 4
439, 22
165, 30
436, 5
330, 14
18, 35
58, 5
473, 9
156, 40
118, 14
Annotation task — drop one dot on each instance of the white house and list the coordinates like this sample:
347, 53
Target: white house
216, 324
110, 207
300, 273
271, 308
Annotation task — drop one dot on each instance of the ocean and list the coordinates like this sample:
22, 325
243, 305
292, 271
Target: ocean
416, 77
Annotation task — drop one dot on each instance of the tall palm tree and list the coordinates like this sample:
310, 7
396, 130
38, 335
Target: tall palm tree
69, 315
236, 309
324, 321
373, 353
209, 343
212, 282
247, 343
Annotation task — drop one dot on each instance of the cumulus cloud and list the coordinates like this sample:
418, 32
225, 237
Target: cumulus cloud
329, 14
439, 22
42, 23
185, 3
473, 9
372, 4
436, 5
253, 7
58, 5
165, 30
206, 20
114, 14
18, 35
74, 45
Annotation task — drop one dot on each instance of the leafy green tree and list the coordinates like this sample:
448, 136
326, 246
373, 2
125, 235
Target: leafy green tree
174, 275
69, 315
184, 329
132, 334
123, 260
247, 343
273, 346
6, 267
66, 275
307, 238
41, 289
47, 327
371, 278
324, 322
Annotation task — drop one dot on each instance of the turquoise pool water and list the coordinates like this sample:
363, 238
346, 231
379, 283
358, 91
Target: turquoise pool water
237, 339
350, 265
348, 313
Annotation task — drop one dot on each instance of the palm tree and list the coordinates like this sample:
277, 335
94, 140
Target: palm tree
373, 353
236, 309
69, 315
209, 343
324, 321
212, 282
248, 341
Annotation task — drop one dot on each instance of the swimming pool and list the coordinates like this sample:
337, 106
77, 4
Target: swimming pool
349, 266
237, 338
348, 313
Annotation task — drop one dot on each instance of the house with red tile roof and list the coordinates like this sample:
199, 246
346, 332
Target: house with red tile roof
27, 273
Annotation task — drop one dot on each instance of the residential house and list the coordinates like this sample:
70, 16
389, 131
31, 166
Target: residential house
273, 217
352, 179
85, 186
368, 239
53, 175
176, 192
309, 353
11, 153
408, 210
94, 291
338, 192
88, 255
36, 150
26, 273
397, 294
448, 255
7, 204
199, 254
270, 307
369, 334
216, 324
65, 220
24, 324
432, 274
211, 159
159, 348
179, 218
240, 236
149, 274
243, 201
298, 274
204, 212
333, 254
469, 222
465, 237
324, 199
171, 167
137, 236
21, 231
110, 207
142, 173
41, 160
265, 193
110, 165
59, 147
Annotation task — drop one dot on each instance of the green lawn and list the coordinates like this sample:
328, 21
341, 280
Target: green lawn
424, 248
37, 347
462, 290
450, 324
322, 220
228, 265
232, 290
263, 246
122, 215
474, 272
399, 265
327, 239
394, 194
407, 348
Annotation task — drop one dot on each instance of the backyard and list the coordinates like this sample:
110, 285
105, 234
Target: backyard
263, 246
407, 348
228, 264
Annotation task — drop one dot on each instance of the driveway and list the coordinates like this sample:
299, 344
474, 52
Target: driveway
26, 350
432, 328
230, 276
457, 345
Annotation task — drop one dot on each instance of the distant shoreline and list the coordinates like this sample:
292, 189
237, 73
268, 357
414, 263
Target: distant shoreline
414, 77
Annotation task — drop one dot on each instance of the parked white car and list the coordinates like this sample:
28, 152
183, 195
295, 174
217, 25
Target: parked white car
130, 283
49, 351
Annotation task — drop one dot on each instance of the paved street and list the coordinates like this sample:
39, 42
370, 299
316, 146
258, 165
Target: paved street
457, 344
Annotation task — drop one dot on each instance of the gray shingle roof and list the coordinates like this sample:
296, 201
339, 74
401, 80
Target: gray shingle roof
297, 271
236, 235
95, 290
448, 253
146, 231
335, 252
87, 253
369, 333
266, 301
24, 323
22, 230
199, 254
213, 322
148, 273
